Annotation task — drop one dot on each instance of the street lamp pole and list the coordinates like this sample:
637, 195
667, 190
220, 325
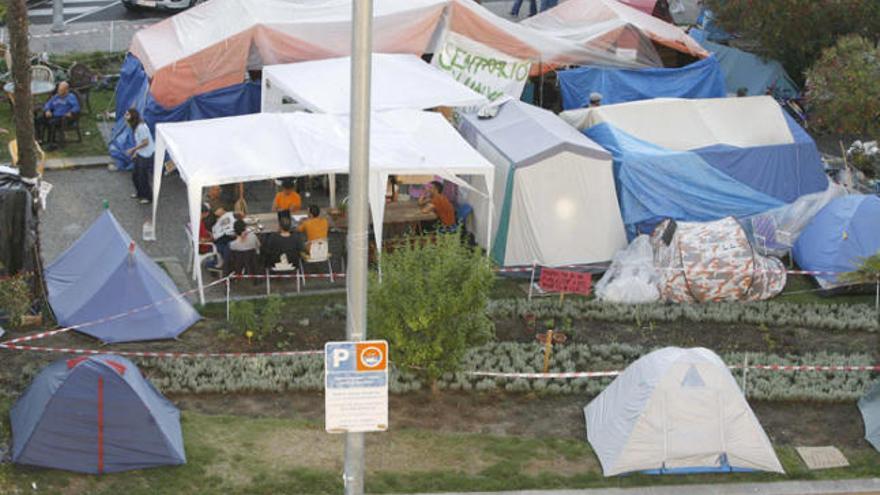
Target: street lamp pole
57, 16
358, 211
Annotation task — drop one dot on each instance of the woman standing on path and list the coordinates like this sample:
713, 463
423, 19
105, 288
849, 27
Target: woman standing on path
142, 155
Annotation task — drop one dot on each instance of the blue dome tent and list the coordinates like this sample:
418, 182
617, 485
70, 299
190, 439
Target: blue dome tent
844, 232
104, 274
95, 414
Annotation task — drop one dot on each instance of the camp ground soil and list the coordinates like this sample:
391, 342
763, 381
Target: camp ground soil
258, 442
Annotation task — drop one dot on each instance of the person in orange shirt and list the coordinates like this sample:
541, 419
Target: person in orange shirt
314, 227
438, 203
287, 199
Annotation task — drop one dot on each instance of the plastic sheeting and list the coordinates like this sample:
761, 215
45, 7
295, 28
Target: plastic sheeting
654, 183
18, 227
744, 70
701, 79
95, 414
133, 91
844, 232
631, 278
398, 81
105, 274
677, 410
713, 262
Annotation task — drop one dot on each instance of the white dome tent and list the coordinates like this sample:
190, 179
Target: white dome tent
677, 411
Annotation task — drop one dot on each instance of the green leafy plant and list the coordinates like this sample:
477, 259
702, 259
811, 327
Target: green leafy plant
868, 271
270, 317
796, 31
15, 298
243, 318
843, 88
431, 303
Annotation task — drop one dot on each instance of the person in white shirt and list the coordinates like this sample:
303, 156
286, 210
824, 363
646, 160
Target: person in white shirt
142, 156
223, 232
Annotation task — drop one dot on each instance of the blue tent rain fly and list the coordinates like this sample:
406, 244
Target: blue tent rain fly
745, 70
702, 79
103, 274
95, 414
844, 232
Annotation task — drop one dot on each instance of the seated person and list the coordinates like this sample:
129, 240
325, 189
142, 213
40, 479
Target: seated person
282, 246
205, 236
223, 232
391, 192
243, 250
287, 199
435, 201
315, 227
62, 105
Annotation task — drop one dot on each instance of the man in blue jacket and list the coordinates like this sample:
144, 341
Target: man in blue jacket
63, 105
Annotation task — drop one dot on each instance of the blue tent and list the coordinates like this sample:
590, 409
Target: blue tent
95, 414
133, 91
702, 79
104, 274
869, 405
843, 232
745, 70
710, 182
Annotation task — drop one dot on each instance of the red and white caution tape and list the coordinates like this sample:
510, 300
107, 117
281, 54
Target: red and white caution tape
157, 354
567, 374
777, 367
599, 374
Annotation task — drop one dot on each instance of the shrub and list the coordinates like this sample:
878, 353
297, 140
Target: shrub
843, 87
15, 298
796, 31
270, 317
431, 303
243, 317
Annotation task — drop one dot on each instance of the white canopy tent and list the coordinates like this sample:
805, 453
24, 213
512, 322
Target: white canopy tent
399, 81
271, 145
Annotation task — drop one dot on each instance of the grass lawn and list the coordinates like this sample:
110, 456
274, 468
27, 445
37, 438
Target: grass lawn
231, 454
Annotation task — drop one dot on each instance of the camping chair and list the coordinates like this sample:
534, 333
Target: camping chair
41, 155
68, 125
280, 267
769, 237
202, 256
82, 80
319, 252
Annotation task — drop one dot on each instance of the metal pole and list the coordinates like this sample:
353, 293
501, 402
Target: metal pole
58, 16
358, 210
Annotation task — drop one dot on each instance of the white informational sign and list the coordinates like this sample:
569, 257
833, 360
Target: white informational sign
356, 386
482, 68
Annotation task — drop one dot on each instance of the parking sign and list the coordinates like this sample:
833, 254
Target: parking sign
356, 386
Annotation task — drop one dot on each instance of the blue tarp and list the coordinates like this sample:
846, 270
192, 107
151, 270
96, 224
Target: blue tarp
844, 232
707, 29
98, 277
133, 91
95, 414
654, 183
702, 79
745, 70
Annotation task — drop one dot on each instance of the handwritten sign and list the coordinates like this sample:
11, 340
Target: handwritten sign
482, 68
565, 282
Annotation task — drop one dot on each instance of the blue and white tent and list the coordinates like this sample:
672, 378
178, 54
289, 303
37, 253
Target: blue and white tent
702, 160
843, 233
95, 414
677, 411
104, 274
701, 79
554, 195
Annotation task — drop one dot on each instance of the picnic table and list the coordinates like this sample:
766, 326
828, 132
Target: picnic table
397, 215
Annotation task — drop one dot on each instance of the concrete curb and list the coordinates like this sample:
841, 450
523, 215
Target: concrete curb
77, 162
830, 487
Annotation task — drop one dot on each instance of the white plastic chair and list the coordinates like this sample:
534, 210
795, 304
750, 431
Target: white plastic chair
319, 252
202, 257
281, 268
42, 73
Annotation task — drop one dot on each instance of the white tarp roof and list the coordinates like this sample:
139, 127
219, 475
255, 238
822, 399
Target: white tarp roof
676, 409
272, 145
682, 124
398, 81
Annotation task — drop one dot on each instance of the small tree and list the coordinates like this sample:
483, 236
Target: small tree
868, 272
843, 88
796, 31
431, 303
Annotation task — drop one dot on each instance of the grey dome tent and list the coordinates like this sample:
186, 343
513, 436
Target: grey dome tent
869, 405
555, 201
104, 274
95, 414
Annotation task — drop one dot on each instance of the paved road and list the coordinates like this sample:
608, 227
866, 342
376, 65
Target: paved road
78, 11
